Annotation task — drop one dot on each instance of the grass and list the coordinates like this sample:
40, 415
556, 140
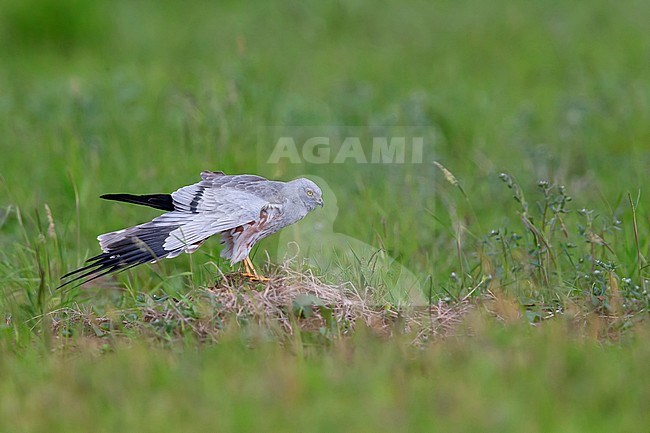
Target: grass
361, 384
525, 229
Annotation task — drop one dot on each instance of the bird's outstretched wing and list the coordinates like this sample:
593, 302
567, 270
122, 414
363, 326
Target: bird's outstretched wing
216, 204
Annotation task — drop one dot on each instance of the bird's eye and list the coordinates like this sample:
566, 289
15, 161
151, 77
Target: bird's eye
310, 192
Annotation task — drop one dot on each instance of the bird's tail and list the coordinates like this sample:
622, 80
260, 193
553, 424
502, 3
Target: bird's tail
124, 249
156, 201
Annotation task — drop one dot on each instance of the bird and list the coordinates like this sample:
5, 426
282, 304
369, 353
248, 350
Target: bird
242, 209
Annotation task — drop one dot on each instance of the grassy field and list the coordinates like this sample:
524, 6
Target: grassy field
524, 226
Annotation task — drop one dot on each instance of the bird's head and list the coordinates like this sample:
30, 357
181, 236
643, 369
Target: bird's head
307, 192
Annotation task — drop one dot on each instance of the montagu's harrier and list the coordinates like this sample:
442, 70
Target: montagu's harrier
241, 208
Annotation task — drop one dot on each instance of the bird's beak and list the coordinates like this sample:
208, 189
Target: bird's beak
320, 202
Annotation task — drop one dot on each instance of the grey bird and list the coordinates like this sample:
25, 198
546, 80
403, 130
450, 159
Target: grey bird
242, 209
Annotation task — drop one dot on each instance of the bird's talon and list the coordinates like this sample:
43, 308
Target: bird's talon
251, 273
256, 278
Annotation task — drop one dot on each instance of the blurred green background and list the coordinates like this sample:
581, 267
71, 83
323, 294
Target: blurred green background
141, 96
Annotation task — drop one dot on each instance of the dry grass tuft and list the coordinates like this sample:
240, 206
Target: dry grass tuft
300, 302
292, 303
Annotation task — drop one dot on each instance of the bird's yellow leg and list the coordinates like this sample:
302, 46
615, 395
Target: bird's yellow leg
247, 269
251, 273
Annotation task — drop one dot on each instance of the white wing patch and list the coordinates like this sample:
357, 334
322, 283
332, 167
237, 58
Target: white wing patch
203, 212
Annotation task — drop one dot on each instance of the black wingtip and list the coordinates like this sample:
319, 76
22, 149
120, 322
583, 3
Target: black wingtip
93, 274
146, 246
156, 201
105, 264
